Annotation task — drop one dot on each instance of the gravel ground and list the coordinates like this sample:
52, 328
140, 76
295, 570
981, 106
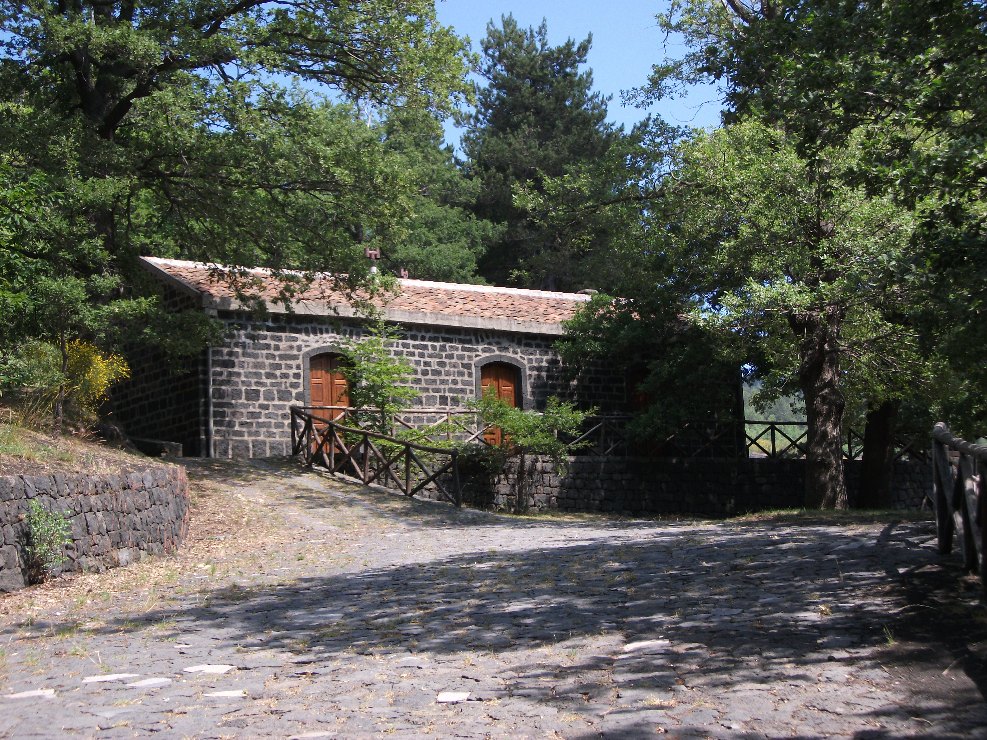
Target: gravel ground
308, 607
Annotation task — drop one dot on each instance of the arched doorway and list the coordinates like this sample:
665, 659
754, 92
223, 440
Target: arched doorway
504, 381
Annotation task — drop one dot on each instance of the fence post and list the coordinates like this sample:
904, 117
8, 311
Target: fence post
456, 485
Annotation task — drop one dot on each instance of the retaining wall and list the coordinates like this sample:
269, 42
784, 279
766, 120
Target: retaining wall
115, 518
707, 487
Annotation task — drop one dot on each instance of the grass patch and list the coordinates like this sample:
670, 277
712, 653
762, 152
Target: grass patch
24, 445
26, 451
830, 516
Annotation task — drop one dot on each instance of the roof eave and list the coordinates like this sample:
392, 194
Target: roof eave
424, 318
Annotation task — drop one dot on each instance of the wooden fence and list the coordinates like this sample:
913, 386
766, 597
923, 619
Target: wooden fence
601, 434
606, 435
789, 439
958, 474
320, 437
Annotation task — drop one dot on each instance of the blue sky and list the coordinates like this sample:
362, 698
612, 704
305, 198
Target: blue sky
626, 42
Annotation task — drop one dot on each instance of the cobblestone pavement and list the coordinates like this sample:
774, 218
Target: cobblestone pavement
377, 616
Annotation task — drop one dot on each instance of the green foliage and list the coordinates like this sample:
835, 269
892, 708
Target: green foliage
784, 240
47, 533
191, 130
646, 339
530, 432
442, 240
901, 83
379, 382
536, 117
34, 364
82, 378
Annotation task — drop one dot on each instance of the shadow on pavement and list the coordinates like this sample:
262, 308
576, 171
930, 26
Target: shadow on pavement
740, 605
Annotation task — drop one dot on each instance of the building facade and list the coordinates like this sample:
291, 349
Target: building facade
235, 400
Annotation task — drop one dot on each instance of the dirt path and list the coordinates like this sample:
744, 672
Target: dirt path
306, 607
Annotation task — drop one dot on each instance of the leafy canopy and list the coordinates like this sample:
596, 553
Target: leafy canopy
199, 130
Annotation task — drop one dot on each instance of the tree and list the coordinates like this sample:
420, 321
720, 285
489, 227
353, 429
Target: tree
167, 118
905, 81
536, 117
378, 381
800, 264
185, 129
442, 239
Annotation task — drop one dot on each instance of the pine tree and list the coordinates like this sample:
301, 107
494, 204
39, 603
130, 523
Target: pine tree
537, 116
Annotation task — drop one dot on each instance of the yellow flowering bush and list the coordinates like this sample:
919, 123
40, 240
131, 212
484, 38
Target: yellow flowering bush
90, 373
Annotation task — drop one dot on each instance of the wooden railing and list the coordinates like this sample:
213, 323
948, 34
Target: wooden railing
789, 439
601, 435
959, 477
319, 436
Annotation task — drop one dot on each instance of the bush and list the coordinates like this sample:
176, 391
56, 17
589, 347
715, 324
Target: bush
528, 433
47, 533
34, 372
379, 383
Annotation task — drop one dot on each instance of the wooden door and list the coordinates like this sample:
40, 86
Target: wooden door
327, 387
505, 382
327, 384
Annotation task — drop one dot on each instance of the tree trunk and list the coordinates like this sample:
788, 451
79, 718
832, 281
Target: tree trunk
58, 407
819, 377
521, 485
878, 456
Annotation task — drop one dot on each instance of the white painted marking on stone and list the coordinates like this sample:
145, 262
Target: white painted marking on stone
412, 661
306, 735
36, 694
213, 669
452, 697
107, 678
149, 682
111, 713
236, 694
644, 645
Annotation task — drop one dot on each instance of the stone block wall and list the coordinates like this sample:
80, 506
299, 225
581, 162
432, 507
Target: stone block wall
706, 487
116, 518
260, 372
164, 400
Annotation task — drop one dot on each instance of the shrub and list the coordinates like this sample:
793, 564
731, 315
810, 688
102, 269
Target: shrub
47, 533
34, 370
527, 433
379, 383
90, 374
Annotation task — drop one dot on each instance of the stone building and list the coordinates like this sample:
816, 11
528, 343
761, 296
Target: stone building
235, 400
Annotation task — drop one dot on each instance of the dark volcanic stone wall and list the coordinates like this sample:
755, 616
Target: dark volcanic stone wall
261, 371
116, 518
705, 487
164, 399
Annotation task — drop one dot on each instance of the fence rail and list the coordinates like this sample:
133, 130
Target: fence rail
607, 435
959, 475
320, 437
601, 435
789, 439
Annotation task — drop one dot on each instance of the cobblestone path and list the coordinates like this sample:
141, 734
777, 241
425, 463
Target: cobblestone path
333, 611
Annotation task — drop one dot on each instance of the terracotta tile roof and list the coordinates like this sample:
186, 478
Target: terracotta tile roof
415, 301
